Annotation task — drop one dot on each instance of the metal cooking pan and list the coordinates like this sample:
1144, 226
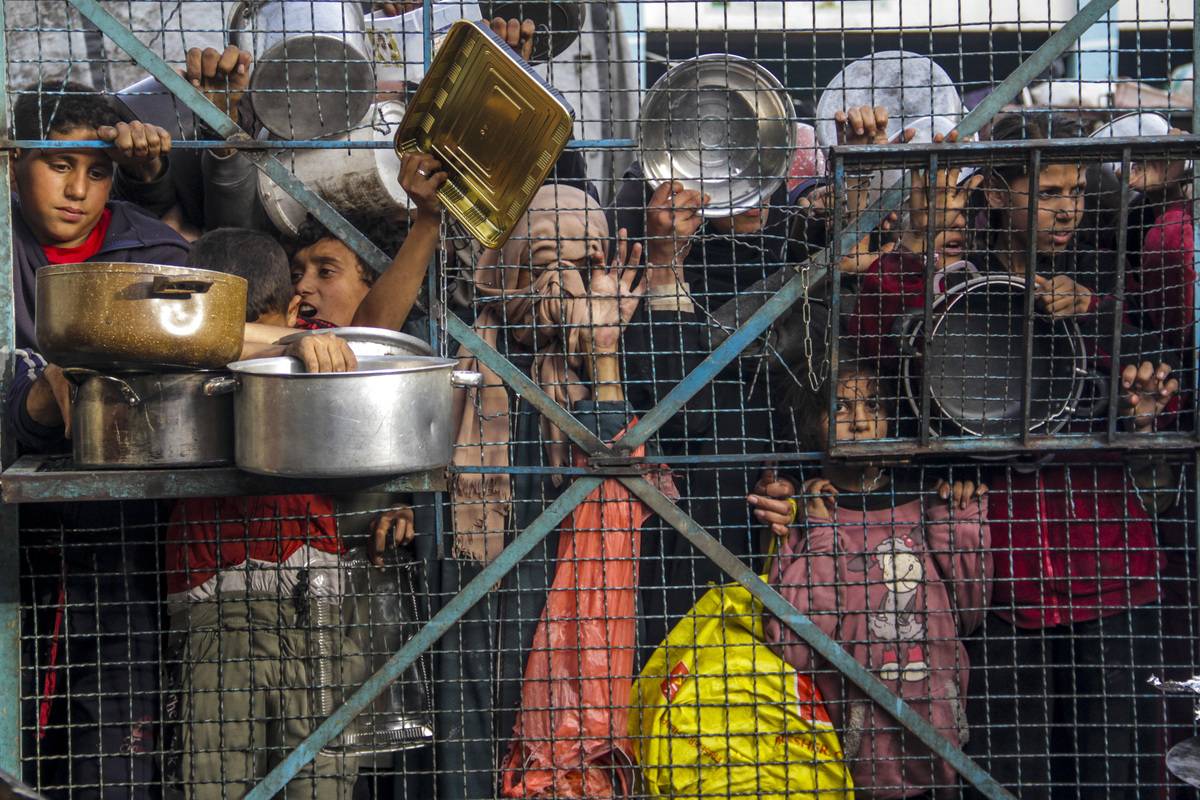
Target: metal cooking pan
973, 359
112, 315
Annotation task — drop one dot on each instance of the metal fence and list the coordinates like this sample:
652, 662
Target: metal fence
590, 607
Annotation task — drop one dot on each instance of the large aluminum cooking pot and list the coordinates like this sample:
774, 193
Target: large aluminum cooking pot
312, 75
720, 123
392, 415
363, 182
148, 419
111, 315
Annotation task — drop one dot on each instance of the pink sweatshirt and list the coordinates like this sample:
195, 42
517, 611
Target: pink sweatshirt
898, 582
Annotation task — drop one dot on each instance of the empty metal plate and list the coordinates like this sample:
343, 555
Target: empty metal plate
908, 85
495, 125
720, 123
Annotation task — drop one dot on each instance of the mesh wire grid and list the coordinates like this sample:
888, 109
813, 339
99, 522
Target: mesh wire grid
608, 660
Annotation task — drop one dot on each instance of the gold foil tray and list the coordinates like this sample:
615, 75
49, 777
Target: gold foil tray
495, 125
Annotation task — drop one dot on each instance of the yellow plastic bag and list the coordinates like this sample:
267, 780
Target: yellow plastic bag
715, 713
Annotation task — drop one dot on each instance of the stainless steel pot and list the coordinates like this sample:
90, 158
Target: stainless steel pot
148, 419
371, 341
378, 611
363, 182
392, 415
312, 75
119, 316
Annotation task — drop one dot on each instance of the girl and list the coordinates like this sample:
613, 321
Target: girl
1077, 568
897, 578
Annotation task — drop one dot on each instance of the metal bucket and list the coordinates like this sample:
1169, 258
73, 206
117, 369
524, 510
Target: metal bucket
379, 610
312, 73
362, 182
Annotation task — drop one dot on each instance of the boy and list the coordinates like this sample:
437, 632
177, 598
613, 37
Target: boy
236, 568
336, 287
64, 213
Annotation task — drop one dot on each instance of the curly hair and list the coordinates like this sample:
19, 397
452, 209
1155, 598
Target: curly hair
60, 107
387, 235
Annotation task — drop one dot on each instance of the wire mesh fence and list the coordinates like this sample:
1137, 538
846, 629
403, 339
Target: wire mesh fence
812, 454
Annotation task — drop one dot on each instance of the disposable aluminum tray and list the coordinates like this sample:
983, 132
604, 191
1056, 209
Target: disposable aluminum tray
495, 125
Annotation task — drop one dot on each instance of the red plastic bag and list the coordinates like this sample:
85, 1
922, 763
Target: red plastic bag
572, 734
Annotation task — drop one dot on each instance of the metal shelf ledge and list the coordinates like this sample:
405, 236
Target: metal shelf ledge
54, 479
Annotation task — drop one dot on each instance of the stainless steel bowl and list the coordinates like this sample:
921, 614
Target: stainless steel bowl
720, 123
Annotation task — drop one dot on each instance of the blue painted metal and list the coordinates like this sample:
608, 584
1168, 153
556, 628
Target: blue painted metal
10, 561
806, 629
1095, 56
471, 594
287, 144
524, 386
222, 124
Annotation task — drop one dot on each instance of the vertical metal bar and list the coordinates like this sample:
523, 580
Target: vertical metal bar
1031, 253
1095, 57
1118, 297
839, 186
1195, 360
10, 593
930, 210
425, 638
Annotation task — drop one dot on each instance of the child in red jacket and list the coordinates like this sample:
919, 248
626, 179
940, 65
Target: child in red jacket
1074, 632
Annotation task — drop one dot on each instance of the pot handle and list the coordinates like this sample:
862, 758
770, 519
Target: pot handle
463, 379
227, 384
163, 286
77, 375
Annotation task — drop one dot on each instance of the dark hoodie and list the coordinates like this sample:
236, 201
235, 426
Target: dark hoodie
133, 236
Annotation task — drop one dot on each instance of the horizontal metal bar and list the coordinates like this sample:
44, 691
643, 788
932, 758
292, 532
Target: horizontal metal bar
424, 639
806, 629
268, 144
1059, 442
524, 386
1015, 151
50, 479
150, 61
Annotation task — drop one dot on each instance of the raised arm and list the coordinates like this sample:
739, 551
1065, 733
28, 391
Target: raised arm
391, 298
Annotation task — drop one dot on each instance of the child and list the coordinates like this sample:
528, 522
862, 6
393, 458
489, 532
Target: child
81, 555
1077, 567
897, 579
335, 285
235, 569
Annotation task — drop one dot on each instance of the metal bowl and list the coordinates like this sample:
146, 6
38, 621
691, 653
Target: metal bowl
908, 85
720, 123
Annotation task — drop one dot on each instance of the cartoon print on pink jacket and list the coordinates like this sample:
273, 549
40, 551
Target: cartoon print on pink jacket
895, 619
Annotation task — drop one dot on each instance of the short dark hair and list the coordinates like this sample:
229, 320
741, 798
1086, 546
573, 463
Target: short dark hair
252, 255
1030, 125
60, 107
384, 234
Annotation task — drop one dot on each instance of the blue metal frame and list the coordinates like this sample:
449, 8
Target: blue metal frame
791, 291
10, 593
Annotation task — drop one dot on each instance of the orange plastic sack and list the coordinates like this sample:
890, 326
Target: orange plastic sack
571, 736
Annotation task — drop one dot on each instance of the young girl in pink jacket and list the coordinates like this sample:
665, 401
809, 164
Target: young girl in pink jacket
896, 575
